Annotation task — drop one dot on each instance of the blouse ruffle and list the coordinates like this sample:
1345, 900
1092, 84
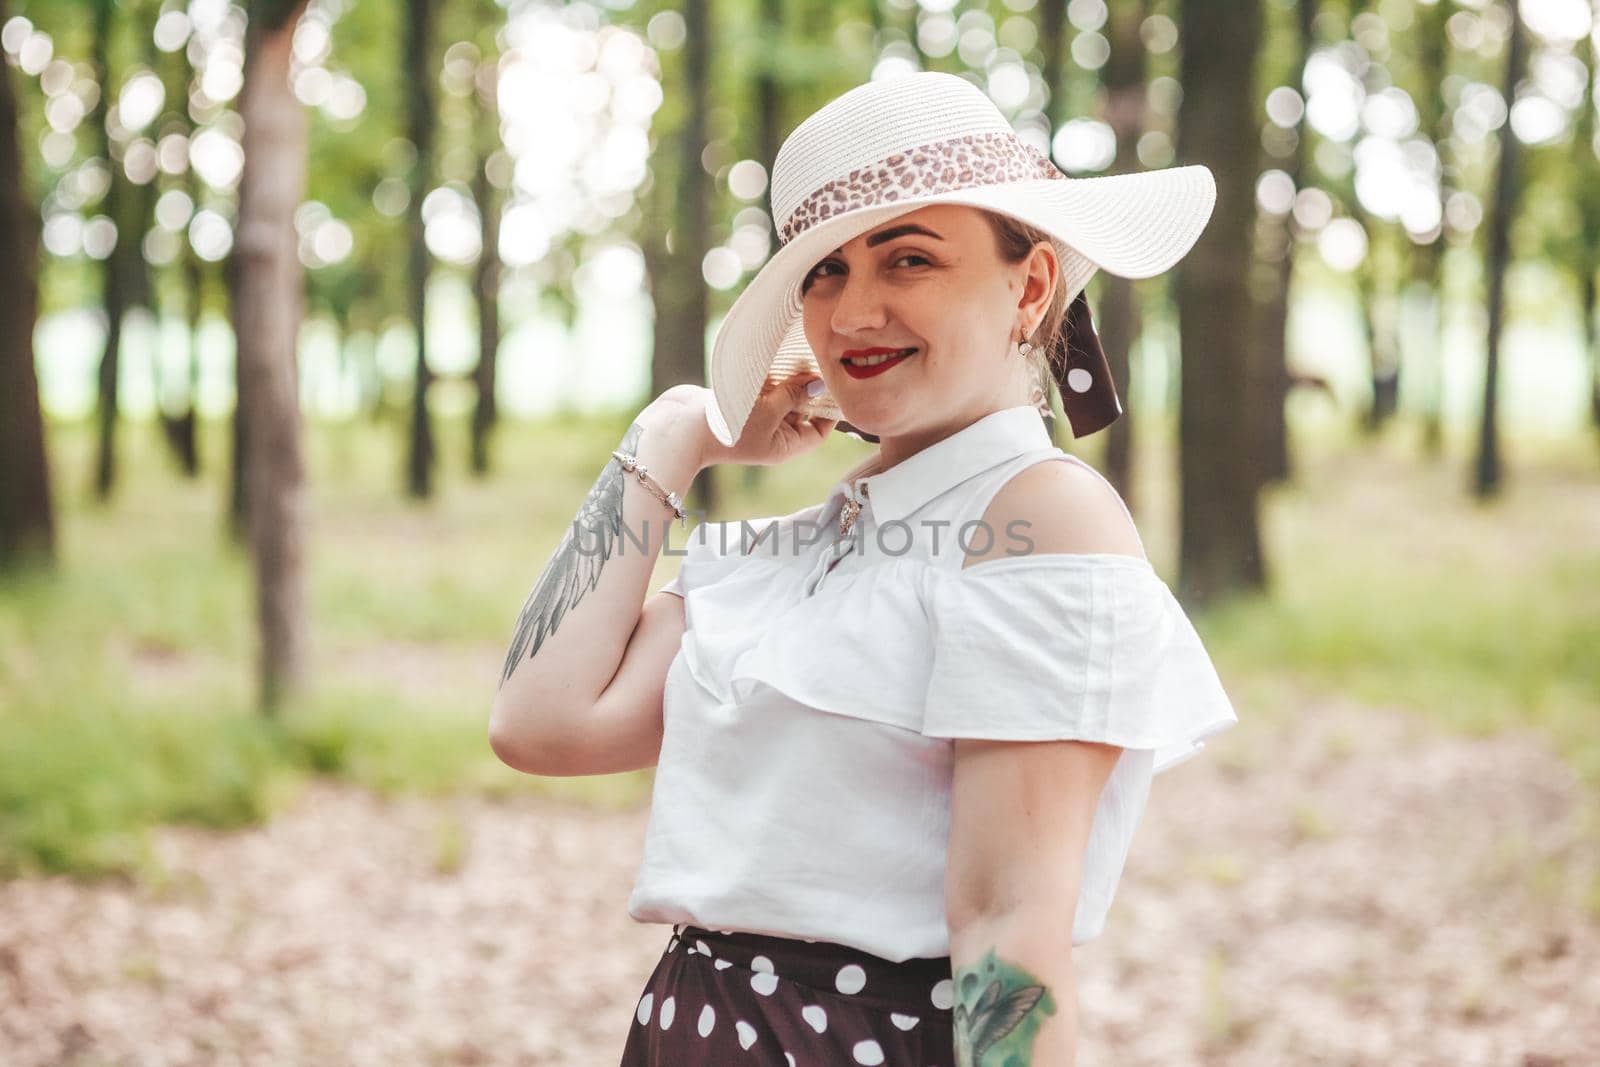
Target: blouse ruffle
1090, 647
1053, 646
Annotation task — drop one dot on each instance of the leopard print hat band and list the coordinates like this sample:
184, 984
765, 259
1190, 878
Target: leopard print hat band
937, 167
897, 144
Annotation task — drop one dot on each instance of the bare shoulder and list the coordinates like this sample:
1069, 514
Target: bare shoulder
1062, 507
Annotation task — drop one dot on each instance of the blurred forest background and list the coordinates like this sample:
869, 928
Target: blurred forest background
318, 318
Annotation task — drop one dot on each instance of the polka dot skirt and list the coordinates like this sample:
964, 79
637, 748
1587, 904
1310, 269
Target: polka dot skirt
740, 998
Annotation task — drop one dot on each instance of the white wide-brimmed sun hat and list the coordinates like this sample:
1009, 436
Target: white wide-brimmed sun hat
898, 144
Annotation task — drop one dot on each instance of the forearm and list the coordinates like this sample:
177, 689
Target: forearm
575, 625
1016, 999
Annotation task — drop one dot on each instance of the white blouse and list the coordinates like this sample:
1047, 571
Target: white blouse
803, 787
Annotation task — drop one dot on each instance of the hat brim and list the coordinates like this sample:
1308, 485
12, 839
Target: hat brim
1130, 225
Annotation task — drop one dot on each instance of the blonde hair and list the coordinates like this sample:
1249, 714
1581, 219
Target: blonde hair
1015, 239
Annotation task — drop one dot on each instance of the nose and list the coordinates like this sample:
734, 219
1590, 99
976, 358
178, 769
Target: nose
859, 307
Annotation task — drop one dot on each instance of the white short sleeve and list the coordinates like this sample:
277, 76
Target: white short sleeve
675, 586
1090, 647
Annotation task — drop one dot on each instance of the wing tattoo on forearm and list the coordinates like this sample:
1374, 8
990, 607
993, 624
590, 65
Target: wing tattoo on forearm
1006, 1003
572, 572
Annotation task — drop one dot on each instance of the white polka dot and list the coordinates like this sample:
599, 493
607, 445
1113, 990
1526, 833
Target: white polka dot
708, 1019
747, 1033
761, 963
672, 944
868, 1052
904, 1022
703, 947
1079, 380
789, 1059
726, 932
644, 1008
850, 979
764, 983
722, 965
669, 1008
944, 994
815, 1017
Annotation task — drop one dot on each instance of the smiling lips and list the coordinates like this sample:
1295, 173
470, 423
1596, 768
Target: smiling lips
870, 362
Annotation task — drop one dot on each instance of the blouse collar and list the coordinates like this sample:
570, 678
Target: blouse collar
987, 442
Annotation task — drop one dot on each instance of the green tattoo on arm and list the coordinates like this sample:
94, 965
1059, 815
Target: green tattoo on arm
999, 1009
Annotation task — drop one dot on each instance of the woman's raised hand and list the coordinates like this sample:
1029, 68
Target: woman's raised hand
775, 432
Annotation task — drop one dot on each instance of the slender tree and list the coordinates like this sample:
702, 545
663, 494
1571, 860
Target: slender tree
1220, 547
1585, 177
1426, 368
114, 274
677, 235
1124, 78
486, 275
27, 524
1270, 421
181, 427
267, 310
1487, 473
769, 131
421, 124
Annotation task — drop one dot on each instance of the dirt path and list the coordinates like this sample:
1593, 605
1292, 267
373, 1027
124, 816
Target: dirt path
1348, 889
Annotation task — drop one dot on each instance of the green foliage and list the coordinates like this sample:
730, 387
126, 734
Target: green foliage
349, 159
83, 777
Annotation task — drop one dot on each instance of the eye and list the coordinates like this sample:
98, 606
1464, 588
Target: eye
816, 272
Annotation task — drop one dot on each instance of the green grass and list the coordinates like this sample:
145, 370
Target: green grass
126, 674
1391, 586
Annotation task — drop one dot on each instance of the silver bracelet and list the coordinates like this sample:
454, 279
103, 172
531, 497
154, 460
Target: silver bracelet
631, 463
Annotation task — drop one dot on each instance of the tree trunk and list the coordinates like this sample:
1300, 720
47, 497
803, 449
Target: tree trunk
1124, 75
1486, 476
769, 129
182, 426
674, 257
27, 520
194, 276
486, 277
1052, 50
113, 295
1585, 177
1379, 320
268, 306
1426, 369
1271, 428
1220, 550
1591, 342
419, 107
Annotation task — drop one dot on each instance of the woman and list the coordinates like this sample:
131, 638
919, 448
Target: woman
903, 737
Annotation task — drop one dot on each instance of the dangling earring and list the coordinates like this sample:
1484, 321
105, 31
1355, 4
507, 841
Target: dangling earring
1040, 399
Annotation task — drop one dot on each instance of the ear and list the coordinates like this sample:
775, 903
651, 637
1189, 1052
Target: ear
1041, 275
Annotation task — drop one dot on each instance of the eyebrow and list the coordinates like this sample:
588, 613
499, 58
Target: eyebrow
898, 231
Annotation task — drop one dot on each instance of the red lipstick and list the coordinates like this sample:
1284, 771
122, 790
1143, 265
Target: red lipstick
856, 371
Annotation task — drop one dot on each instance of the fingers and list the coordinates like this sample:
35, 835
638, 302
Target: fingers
798, 383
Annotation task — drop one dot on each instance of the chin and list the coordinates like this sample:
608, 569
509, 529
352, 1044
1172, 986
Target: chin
870, 420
